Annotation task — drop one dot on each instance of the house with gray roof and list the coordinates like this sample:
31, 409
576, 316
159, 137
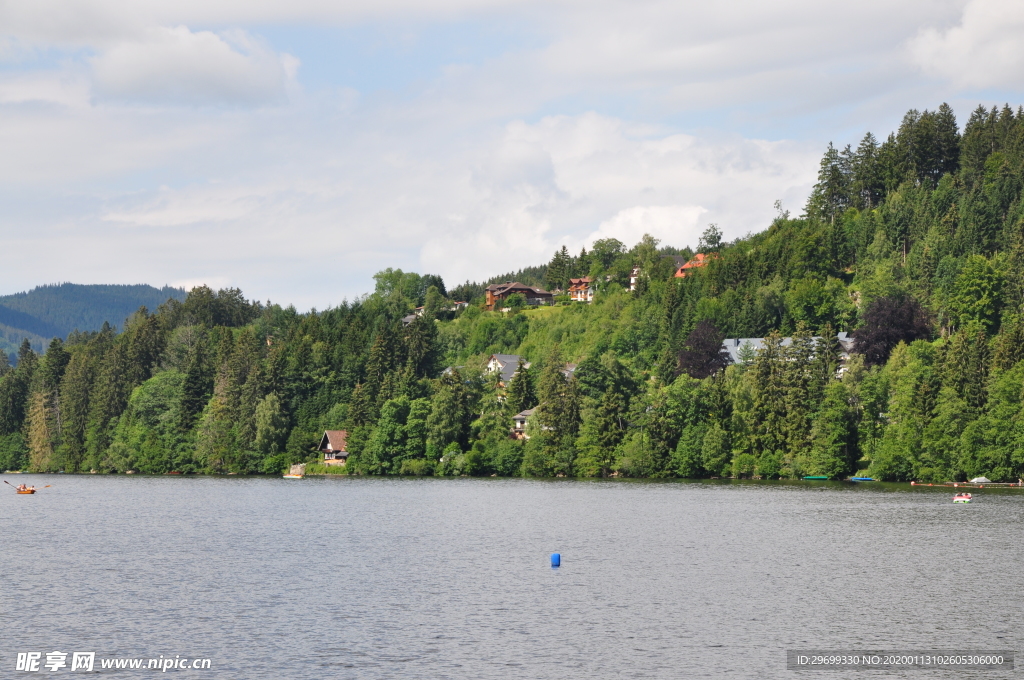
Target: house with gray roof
735, 347
519, 424
506, 365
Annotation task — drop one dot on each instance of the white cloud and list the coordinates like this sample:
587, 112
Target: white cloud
64, 89
322, 211
985, 50
671, 224
176, 65
599, 118
572, 179
210, 204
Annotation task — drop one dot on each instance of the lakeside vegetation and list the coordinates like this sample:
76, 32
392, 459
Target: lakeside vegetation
915, 244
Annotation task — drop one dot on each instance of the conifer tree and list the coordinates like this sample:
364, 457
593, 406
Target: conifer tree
686, 459
976, 296
831, 195
420, 344
416, 429
603, 433
1009, 344
74, 402
383, 359
555, 411
196, 389
388, 439
271, 426
215, 445
582, 264
715, 451
361, 408
966, 365
768, 410
832, 442
867, 186
798, 379
520, 390
107, 400
38, 434
825, 363
449, 413
559, 270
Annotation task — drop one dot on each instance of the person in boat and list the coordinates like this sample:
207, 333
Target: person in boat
22, 487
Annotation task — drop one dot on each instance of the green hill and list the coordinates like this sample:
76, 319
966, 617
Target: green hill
58, 309
914, 245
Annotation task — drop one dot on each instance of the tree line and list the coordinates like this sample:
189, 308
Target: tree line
914, 245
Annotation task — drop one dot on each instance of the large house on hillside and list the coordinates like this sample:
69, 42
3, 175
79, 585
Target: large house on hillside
498, 292
737, 347
580, 290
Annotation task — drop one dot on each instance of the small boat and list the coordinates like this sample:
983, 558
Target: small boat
26, 490
293, 476
862, 479
962, 498
816, 477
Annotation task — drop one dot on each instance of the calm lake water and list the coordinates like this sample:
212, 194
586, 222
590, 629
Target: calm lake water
450, 578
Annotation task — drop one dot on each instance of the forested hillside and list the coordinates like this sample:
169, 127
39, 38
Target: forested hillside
56, 310
915, 244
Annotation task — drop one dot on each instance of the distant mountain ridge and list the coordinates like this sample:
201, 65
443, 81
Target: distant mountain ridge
12, 318
56, 310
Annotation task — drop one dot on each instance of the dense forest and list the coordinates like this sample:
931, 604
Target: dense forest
914, 244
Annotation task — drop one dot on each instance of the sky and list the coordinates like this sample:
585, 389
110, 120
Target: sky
292, 149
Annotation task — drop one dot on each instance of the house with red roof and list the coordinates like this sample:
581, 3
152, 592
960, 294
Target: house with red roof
580, 290
699, 260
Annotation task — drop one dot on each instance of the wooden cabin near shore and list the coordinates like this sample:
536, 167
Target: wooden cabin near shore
332, 447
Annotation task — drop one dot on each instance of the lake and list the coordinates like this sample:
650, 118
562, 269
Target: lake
450, 578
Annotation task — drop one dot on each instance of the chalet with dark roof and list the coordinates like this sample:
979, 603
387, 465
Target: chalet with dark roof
499, 292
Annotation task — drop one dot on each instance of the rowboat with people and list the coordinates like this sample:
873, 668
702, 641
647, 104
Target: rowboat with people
23, 488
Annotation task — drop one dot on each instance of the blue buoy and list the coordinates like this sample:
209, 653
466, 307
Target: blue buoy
556, 560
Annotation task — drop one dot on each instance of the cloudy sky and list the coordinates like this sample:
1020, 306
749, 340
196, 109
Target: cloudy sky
294, 148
